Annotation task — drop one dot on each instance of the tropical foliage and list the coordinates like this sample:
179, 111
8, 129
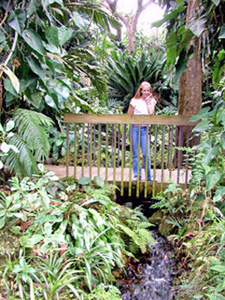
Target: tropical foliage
62, 241
195, 218
46, 54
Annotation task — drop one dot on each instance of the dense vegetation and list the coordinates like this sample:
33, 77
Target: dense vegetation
64, 239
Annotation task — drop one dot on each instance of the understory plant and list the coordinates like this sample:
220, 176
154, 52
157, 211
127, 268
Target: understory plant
70, 237
196, 215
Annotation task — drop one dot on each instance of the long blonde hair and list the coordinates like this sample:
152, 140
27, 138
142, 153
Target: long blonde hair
140, 88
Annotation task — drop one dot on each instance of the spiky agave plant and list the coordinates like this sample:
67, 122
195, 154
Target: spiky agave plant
31, 139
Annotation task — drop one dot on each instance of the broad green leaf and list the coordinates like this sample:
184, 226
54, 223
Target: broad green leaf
222, 33
220, 192
212, 179
202, 114
21, 216
218, 268
29, 242
197, 26
51, 34
181, 66
78, 20
9, 126
48, 228
64, 34
210, 153
223, 141
170, 16
49, 2
33, 40
99, 181
2, 222
216, 2
84, 180
31, 8
35, 67
2, 37
14, 80
50, 102
17, 19
202, 126
4, 147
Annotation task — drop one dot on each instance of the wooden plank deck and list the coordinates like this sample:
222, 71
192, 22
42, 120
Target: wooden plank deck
60, 171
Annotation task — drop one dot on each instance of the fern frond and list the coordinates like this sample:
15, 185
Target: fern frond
141, 237
31, 126
23, 162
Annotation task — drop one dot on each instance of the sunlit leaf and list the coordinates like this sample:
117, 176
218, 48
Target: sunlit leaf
33, 40
14, 80
220, 192
202, 126
9, 125
216, 2
197, 26
222, 33
98, 181
29, 242
212, 179
64, 34
84, 180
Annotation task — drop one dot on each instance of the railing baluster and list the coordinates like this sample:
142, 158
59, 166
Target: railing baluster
112, 146
118, 146
114, 155
147, 151
130, 161
138, 162
91, 152
179, 153
122, 159
170, 150
162, 156
75, 152
106, 152
94, 142
187, 156
83, 153
67, 150
154, 168
99, 149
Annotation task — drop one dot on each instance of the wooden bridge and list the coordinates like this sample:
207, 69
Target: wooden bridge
99, 145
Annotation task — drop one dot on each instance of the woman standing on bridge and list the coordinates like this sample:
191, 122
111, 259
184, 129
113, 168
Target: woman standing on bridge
143, 103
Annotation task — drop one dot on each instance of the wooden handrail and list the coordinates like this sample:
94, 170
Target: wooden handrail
101, 147
127, 119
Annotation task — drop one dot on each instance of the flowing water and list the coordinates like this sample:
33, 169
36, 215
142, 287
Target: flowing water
150, 278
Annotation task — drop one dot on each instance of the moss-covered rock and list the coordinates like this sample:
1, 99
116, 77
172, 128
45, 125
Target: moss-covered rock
159, 219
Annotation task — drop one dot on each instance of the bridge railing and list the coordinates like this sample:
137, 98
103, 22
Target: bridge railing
100, 145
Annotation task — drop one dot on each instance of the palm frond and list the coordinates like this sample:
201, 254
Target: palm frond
96, 12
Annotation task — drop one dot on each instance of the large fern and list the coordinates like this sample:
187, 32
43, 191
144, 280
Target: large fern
22, 163
31, 139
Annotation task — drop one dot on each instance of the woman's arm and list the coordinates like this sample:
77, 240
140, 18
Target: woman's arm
151, 105
130, 110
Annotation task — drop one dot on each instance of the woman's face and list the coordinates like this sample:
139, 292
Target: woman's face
145, 92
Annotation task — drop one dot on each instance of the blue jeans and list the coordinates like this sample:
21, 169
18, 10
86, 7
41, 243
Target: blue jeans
143, 141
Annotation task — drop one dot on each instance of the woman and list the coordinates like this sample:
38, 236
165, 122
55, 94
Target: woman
143, 103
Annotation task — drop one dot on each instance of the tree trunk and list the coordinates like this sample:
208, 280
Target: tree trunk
129, 20
190, 85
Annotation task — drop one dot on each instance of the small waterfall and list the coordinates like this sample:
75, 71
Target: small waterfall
150, 278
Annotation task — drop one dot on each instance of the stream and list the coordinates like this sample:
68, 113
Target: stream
151, 277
